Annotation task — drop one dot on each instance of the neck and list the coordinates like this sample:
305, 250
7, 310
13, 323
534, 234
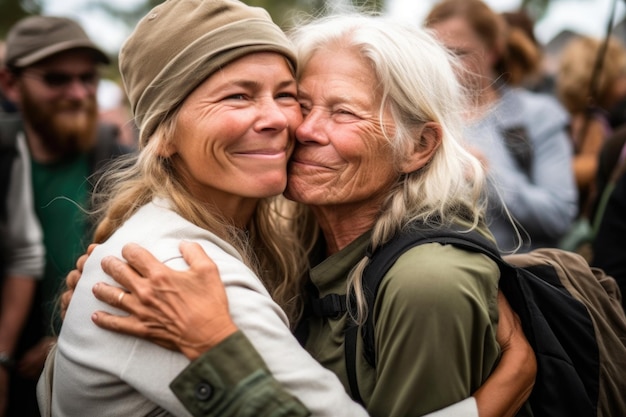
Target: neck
341, 226
38, 151
240, 211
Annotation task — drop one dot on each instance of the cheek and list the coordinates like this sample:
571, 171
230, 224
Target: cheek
294, 116
192, 144
294, 120
477, 66
370, 148
375, 166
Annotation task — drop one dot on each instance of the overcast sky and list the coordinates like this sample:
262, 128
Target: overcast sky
585, 16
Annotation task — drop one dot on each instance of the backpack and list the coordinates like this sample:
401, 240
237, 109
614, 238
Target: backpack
570, 313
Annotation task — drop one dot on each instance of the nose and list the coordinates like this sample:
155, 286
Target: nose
79, 90
311, 129
272, 117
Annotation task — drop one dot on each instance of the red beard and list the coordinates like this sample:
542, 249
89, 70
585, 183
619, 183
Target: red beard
65, 127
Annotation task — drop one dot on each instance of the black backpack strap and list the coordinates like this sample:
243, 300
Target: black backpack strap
350, 337
9, 128
331, 305
301, 332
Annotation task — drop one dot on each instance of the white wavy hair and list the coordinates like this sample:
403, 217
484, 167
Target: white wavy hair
418, 83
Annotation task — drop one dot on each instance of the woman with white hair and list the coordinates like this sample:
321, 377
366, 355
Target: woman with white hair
379, 152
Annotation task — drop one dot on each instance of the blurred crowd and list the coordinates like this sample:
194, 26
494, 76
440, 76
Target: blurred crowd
553, 142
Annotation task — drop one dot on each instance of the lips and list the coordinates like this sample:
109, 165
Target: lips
263, 153
304, 162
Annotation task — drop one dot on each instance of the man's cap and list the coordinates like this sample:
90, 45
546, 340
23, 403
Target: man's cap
35, 38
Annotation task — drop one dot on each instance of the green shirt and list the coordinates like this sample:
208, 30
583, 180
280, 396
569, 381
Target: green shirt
61, 193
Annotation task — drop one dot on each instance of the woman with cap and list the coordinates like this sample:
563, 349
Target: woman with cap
212, 88
357, 167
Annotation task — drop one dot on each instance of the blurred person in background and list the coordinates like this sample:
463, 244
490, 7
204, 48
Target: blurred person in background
537, 77
521, 136
51, 74
21, 265
5, 105
589, 90
609, 242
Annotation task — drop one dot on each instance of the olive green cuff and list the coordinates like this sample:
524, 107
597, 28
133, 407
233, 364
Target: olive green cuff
232, 380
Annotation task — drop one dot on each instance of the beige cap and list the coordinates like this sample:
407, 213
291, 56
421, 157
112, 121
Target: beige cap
35, 38
180, 43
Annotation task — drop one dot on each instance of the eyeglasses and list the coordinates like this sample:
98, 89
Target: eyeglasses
61, 80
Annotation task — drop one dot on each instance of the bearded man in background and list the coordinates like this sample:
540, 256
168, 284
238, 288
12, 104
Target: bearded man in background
51, 74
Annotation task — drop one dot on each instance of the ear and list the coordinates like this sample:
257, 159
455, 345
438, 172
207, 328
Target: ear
166, 150
9, 85
430, 139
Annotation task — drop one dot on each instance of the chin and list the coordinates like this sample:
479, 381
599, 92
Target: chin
270, 189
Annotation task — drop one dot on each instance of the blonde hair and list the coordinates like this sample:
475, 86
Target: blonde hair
269, 247
418, 84
576, 66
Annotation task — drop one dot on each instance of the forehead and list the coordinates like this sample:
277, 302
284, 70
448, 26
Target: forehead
261, 59
250, 71
339, 68
456, 33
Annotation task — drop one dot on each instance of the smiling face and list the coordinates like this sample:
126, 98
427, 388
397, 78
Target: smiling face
234, 133
57, 97
342, 162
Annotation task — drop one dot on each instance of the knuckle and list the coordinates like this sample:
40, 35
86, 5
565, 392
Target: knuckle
144, 294
159, 275
65, 299
72, 278
208, 268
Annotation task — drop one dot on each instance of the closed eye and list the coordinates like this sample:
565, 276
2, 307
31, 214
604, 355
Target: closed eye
235, 97
305, 108
286, 95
